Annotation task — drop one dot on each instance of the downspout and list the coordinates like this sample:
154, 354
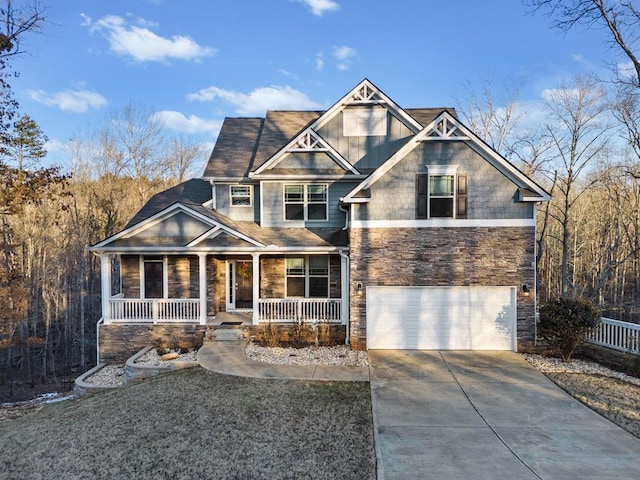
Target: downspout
345, 293
346, 215
100, 322
345, 274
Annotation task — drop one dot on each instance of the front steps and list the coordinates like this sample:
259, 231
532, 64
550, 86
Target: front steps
224, 333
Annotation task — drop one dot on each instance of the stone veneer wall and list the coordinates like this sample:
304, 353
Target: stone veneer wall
272, 277
460, 256
118, 342
130, 272
183, 279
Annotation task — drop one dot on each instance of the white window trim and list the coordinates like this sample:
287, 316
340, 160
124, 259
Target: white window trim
305, 202
307, 276
440, 171
365, 112
165, 275
250, 187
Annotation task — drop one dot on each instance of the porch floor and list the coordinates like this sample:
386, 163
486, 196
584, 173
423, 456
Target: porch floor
245, 317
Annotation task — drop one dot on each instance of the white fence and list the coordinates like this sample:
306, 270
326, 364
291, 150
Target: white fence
618, 335
299, 310
156, 310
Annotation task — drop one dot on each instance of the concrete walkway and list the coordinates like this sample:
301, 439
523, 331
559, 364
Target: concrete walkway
228, 357
487, 415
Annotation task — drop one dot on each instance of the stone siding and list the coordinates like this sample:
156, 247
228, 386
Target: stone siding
118, 342
130, 271
287, 333
183, 278
272, 277
484, 256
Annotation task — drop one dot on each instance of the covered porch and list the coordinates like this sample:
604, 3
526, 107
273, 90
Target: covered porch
211, 288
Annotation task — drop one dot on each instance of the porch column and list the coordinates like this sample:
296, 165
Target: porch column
344, 291
256, 286
202, 274
105, 279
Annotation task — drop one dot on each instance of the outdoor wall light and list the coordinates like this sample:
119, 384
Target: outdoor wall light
525, 290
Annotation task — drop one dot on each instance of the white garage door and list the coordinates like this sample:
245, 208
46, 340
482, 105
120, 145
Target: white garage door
441, 318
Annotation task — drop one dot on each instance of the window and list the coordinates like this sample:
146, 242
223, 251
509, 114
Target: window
240, 195
441, 194
364, 122
308, 276
305, 202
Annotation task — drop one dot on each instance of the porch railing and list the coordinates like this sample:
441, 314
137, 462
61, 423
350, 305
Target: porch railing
617, 335
299, 310
155, 310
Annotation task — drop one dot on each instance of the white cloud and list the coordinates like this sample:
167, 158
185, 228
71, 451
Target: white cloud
319, 61
259, 100
143, 45
192, 124
319, 7
78, 101
344, 55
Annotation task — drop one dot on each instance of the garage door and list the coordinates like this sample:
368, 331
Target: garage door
441, 318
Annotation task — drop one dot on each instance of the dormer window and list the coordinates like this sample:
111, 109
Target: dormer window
365, 121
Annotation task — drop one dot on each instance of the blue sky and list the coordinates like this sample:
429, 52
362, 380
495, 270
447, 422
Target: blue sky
193, 62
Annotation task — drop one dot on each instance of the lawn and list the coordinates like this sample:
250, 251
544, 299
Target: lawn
198, 424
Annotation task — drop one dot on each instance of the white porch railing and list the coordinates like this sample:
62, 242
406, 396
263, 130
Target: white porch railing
299, 310
156, 310
618, 335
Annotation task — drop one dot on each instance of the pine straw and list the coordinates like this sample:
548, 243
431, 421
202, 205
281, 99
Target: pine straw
198, 424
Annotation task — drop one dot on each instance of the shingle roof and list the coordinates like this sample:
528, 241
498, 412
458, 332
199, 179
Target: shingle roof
235, 148
195, 191
244, 144
427, 115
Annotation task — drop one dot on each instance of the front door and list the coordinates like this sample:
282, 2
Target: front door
239, 285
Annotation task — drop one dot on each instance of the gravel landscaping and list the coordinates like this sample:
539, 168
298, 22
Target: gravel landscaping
198, 424
339, 355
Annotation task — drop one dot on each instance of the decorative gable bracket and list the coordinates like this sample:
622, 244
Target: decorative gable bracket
445, 129
308, 142
366, 94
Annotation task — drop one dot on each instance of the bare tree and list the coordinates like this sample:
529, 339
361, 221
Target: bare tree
16, 21
578, 132
183, 156
620, 18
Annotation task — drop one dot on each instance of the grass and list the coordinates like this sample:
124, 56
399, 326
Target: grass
198, 424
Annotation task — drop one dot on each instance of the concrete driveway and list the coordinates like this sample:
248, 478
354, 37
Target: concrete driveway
487, 415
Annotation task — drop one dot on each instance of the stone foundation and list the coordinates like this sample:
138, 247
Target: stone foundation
119, 342
284, 333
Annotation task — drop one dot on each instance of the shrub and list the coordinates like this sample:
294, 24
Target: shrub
564, 323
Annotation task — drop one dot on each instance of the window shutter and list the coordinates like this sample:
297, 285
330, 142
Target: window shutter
461, 210
422, 194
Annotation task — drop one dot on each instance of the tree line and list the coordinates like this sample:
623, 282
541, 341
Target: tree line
582, 145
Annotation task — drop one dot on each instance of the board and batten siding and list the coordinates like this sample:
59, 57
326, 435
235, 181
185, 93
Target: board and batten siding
490, 195
273, 205
242, 214
366, 152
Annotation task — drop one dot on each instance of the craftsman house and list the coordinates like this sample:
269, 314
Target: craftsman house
398, 227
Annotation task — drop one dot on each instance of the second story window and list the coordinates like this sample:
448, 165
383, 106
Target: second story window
306, 202
240, 195
441, 194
